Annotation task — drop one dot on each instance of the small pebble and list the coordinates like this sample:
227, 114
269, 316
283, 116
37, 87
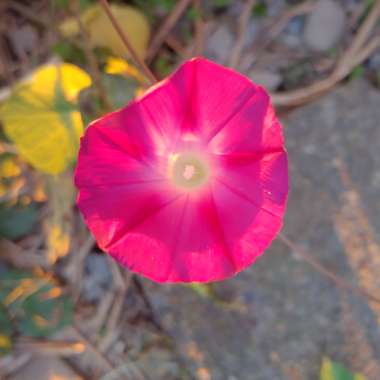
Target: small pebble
325, 25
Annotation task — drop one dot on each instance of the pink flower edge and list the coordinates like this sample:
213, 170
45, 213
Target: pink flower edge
134, 214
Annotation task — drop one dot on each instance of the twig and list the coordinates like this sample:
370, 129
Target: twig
122, 284
176, 45
141, 291
199, 27
140, 62
26, 12
74, 269
303, 95
242, 27
18, 257
364, 31
118, 278
166, 27
100, 356
50, 347
10, 364
357, 13
353, 56
101, 312
370, 48
339, 281
279, 24
94, 68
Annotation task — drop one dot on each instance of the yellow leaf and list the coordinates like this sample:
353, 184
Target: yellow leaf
9, 168
119, 66
102, 33
42, 117
5, 342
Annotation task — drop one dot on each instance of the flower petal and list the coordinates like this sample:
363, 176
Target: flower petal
178, 235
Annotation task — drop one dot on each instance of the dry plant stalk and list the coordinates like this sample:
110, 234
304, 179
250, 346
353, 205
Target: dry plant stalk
199, 27
122, 283
13, 254
140, 62
75, 267
92, 61
92, 347
174, 44
279, 24
358, 51
49, 347
338, 281
166, 27
242, 27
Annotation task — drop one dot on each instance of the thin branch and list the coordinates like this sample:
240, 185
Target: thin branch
140, 62
338, 281
122, 281
12, 253
100, 356
365, 30
242, 27
50, 347
75, 267
166, 27
367, 51
27, 13
94, 68
303, 95
176, 45
353, 56
199, 27
277, 25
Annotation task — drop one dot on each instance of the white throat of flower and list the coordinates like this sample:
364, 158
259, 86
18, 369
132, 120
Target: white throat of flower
188, 170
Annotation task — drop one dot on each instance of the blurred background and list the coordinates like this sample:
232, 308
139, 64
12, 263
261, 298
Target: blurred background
309, 309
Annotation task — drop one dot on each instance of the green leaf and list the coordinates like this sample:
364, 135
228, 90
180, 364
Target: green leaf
334, 371
44, 317
222, 3
193, 14
17, 221
42, 116
66, 3
69, 52
60, 3
35, 303
120, 91
163, 66
203, 290
357, 72
260, 9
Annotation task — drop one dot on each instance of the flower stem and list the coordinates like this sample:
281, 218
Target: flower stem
148, 73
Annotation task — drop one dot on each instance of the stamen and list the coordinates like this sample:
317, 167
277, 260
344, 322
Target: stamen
188, 170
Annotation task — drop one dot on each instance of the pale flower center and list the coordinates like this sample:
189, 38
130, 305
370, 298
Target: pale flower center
188, 170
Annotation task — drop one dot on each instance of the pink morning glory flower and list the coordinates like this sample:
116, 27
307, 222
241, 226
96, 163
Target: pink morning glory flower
189, 182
